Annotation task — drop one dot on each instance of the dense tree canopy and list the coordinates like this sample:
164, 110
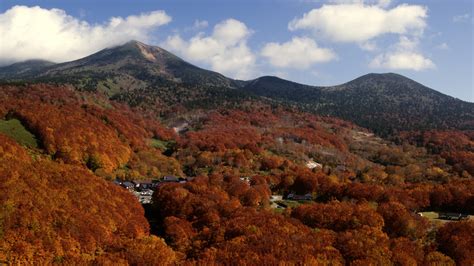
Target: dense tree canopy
57, 203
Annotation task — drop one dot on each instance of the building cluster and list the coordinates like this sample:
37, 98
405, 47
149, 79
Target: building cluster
144, 189
452, 216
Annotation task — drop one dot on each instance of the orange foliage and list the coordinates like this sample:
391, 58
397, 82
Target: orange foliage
399, 222
364, 246
77, 130
457, 147
338, 216
456, 239
51, 211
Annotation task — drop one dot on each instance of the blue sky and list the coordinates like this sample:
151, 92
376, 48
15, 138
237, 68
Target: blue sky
317, 42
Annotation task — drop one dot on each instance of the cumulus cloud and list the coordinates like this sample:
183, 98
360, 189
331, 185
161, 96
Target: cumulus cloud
403, 56
225, 50
199, 25
402, 60
52, 34
360, 22
300, 53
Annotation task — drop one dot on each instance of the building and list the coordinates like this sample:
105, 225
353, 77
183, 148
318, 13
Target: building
293, 196
143, 189
128, 185
145, 199
452, 216
143, 184
276, 197
170, 178
311, 164
245, 179
180, 126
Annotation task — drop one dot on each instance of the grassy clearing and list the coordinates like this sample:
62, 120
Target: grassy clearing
430, 215
14, 129
433, 217
160, 144
156, 143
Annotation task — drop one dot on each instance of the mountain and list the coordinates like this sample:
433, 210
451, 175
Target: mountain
58, 202
392, 101
382, 102
152, 77
283, 90
131, 66
26, 68
67, 157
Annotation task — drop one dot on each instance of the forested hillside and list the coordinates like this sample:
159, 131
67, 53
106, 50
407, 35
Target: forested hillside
385, 103
362, 193
149, 76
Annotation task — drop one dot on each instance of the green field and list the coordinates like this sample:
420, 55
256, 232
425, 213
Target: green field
14, 129
161, 144
434, 218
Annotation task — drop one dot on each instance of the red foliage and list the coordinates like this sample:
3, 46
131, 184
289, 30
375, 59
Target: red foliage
456, 239
406, 251
338, 216
77, 130
51, 211
457, 147
364, 246
399, 222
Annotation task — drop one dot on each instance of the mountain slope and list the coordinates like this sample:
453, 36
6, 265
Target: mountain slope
381, 102
131, 66
393, 102
26, 68
277, 88
154, 78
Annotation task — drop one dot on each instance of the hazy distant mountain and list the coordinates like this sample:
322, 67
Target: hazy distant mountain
26, 68
146, 75
382, 102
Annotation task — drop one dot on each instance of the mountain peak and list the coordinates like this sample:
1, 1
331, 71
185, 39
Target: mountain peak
385, 83
132, 65
134, 42
382, 77
151, 53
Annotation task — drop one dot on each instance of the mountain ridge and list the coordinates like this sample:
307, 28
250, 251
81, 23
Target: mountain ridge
132, 60
136, 72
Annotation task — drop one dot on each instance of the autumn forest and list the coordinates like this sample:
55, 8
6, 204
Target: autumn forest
62, 148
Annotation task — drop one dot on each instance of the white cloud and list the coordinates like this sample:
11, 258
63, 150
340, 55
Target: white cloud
360, 23
402, 60
199, 25
52, 34
225, 50
404, 55
407, 44
298, 53
461, 18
